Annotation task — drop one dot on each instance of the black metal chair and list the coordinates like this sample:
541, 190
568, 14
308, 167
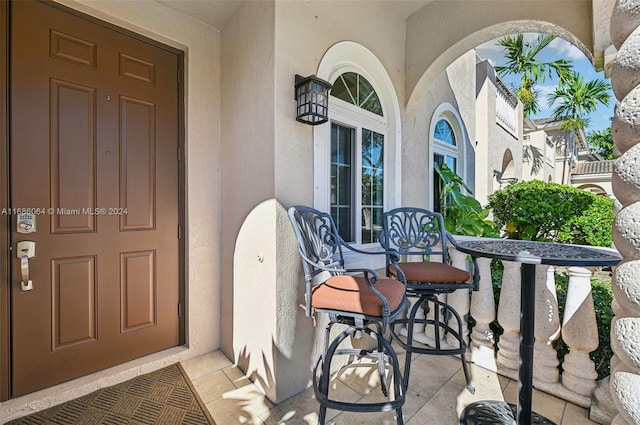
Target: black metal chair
416, 232
363, 302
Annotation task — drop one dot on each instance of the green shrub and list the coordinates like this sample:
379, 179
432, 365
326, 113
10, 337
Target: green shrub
592, 227
541, 211
537, 210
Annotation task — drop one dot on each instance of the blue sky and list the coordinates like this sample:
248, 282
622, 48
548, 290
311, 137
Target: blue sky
557, 49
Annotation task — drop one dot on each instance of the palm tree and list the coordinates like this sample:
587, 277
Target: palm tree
521, 60
576, 99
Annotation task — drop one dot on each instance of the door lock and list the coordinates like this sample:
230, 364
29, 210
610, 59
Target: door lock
26, 250
26, 223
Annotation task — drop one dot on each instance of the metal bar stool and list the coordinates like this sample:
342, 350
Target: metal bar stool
364, 303
420, 234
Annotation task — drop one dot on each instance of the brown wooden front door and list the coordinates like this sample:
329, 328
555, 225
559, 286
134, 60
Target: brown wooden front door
94, 138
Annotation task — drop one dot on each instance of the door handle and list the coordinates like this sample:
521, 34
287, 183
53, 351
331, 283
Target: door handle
26, 250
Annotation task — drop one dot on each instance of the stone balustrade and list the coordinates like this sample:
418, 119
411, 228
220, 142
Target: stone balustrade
500, 353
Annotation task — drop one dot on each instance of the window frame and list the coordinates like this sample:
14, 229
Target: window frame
348, 56
447, 112
356, 118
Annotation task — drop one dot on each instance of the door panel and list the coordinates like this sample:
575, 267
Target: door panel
94, 142
72, 152
137, 164
74, 302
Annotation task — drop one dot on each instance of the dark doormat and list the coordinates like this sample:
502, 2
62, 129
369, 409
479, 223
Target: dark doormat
165, 396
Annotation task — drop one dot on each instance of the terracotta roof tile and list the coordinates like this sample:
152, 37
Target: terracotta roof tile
593, 167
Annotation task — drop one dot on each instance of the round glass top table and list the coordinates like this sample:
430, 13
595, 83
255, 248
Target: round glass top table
528, 253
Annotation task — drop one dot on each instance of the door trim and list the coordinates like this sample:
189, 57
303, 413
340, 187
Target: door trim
5, 220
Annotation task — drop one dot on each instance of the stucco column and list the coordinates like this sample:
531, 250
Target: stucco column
580, 333
274, 342
625, 328
509, 319
547, 328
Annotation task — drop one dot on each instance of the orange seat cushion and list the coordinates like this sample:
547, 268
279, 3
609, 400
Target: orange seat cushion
351, 293
432, 272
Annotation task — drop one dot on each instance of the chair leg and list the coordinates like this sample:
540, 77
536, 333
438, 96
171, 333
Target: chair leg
322, 415
381, 356
383, 353
467, 375
436, 321
440, 312
398, 384
410, 323
465, 366
386, 351
323, 385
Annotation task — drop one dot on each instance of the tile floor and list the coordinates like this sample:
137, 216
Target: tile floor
436, 395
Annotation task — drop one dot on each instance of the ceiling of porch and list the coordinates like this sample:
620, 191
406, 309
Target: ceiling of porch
218, 12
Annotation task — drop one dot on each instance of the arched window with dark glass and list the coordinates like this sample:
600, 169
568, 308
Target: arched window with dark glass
355, 89
444, 133
357, 160
445, 151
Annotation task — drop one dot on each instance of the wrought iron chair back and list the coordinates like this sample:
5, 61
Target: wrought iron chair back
417, 232
319, 246
357, 298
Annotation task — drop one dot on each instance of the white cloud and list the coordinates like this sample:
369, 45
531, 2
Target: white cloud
566, 50
490, 51
543, 91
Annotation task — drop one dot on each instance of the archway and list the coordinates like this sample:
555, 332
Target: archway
426, 61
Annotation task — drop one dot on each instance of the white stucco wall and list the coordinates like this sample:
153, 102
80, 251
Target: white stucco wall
201, 45
494, 145
538, 140
485, 120
455, 87
304, 33
268, 166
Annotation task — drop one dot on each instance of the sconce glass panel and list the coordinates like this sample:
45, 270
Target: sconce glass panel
311, 94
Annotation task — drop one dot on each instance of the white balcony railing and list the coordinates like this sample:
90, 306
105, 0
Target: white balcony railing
578, 327
506, 108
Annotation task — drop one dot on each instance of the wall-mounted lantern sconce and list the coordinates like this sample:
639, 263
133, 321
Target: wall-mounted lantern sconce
312, 100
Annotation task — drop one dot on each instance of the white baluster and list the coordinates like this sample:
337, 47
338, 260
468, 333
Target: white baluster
547, 327
580, 333
483, 311
509, 319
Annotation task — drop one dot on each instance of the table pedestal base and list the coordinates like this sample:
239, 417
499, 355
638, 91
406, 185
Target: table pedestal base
495, 412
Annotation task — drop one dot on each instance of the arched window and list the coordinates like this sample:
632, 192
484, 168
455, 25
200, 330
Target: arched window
444, 133
446, 140
355, 89
357, 160
356, 154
